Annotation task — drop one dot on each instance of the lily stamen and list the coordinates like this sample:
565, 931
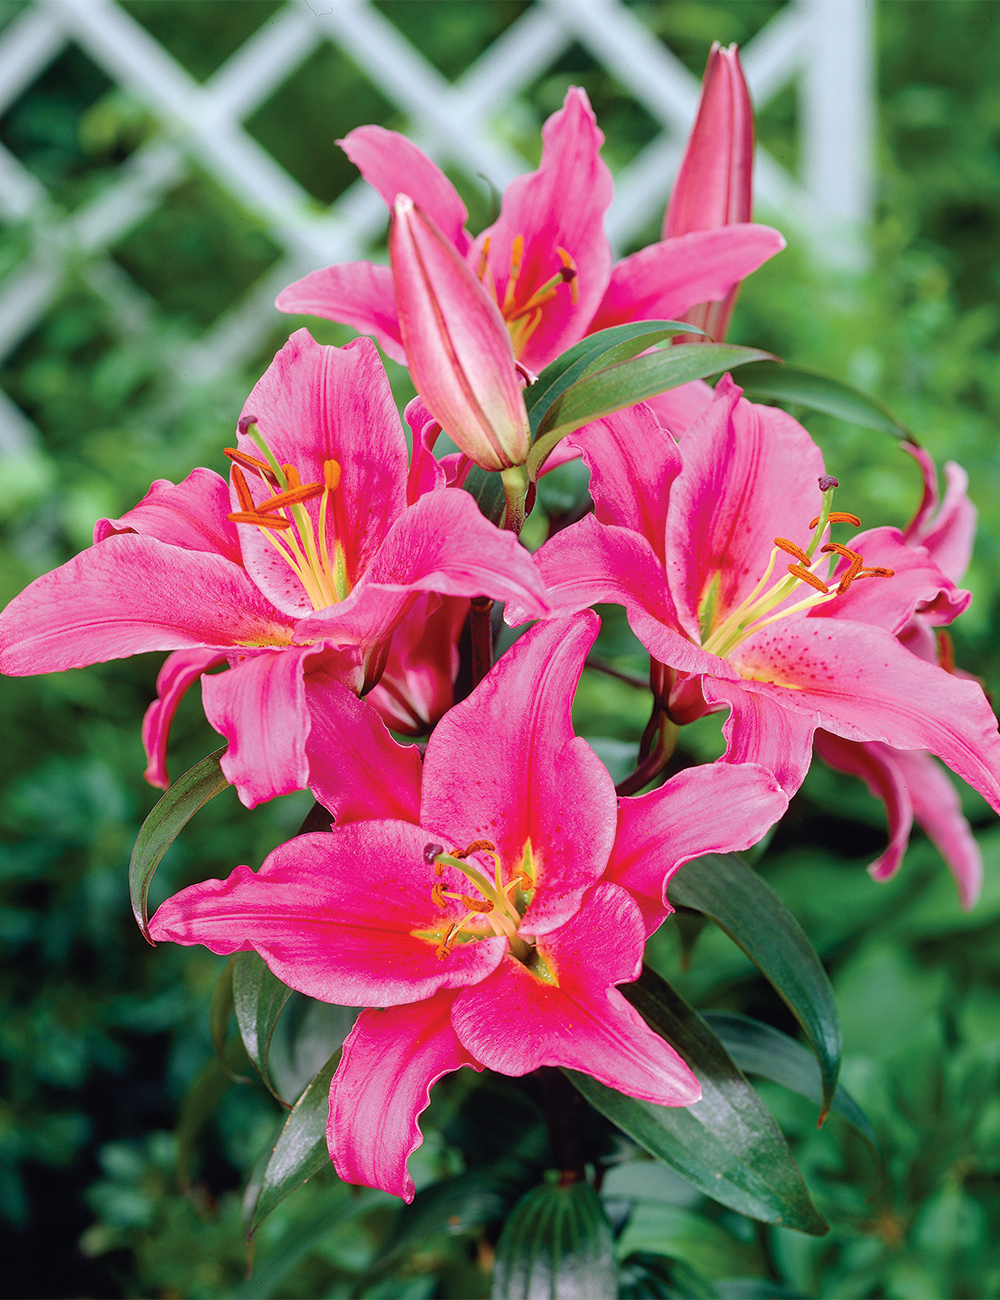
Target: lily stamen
805, 576
783, 544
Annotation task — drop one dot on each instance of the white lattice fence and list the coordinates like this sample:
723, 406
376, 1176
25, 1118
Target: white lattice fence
824, 44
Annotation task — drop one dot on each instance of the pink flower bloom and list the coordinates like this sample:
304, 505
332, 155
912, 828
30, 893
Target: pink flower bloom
295, 574
909, 782
489, 922
546, 260
687, 539
714, 185
459, 353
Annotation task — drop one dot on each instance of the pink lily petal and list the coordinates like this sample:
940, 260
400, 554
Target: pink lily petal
917, 582
315, 404
443, 544
259, 705
751, 473
592, 563
920, 639
878, 766
514, 733
392, 165
356, 769
761, 730
514, 1021
426, 471
457, 346
129, 594
632, 462
392, 1058
180, 671
663, 280
417, 686
865, 686
359, 294
561, 205
337, 915
950, 539
191, 514
921, 521
938, 811
715, 808
678, 408
714, 185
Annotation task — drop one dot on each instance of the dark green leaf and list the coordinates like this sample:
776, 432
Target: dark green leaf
219, 1014
258, 998
610, 389
200, 1102
645, 1276
486, 486
741, 902
301, 1149
763, 1050
173, 812
727, 1144
596, 351
775, 381
557, 1242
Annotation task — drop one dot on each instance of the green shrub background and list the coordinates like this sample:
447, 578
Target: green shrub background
122, 1149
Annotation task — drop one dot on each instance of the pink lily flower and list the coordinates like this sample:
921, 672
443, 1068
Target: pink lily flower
695, 542
489, 923
457, 347
546, 260
909, 782
295, 574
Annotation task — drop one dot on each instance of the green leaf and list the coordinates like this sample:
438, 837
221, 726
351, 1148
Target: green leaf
557, 1242
171, 814
596, 351
763, 1050
743, 904
218, 1017
647, 1276
486, 487
614, 387
727, 1144
301, 1149
776, 381
258, 998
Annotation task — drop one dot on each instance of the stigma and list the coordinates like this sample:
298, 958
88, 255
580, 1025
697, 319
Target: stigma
310, 548
766, 604
523, 318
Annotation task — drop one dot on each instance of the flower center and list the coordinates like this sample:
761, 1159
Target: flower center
758, 609
499, 907
522, 318
314, 554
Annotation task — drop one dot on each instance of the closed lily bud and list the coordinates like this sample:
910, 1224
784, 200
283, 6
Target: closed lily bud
714, 185
457, 346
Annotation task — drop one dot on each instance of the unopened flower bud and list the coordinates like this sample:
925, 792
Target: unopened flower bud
457, 345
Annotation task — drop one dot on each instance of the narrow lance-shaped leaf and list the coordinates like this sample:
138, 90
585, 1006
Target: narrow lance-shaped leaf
300, 1150
596, 351
765, 1051
166, 821
218, 1018
258, 997
556, 1242
727, 1144
741, 902
776, 381
615, 387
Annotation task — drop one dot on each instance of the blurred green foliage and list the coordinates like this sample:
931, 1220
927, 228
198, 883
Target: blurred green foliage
110, 1089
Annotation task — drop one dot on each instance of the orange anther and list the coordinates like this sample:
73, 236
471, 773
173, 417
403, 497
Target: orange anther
797, 571
569, 274
242, 491
477, 846
946, 650
838, 517
852, 571
876, 571
304, 493
835, 548
262, 521
291, 476
783, 544
437, 894
483, 258
476, 905
524, 879
331, 474
251, 463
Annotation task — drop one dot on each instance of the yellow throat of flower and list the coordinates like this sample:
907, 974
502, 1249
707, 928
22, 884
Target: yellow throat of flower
522, 318
315, 555
760, 608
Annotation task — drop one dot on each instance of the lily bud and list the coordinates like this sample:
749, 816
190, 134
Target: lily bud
457, 346
714, 185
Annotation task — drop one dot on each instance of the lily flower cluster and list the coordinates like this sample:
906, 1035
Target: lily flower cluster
483, 897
